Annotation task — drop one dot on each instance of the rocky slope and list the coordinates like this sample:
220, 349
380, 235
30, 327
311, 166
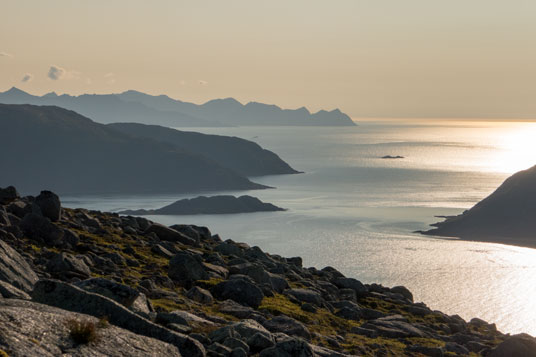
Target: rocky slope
147, 289
507, 216
68, 153
224, 204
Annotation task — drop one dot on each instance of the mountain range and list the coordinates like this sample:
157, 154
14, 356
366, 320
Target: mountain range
47, 146
138, 107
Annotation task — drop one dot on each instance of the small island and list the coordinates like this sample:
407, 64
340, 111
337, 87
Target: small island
392, 157
224, 204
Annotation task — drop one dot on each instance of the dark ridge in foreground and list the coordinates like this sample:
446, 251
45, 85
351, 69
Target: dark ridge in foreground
506, 216
210, 205
77, 282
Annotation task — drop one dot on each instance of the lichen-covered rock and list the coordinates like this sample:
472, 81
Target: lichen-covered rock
290, 347
239, 290
69, 297
186, 268
15, 270
68, 265
123, 294
8, 195
30, 329
38, 227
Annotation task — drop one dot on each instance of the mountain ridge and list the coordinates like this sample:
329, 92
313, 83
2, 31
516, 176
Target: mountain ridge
139, 107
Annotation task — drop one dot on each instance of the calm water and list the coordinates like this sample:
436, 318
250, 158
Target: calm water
356, 212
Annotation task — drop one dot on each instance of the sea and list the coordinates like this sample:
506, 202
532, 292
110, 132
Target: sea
356, 211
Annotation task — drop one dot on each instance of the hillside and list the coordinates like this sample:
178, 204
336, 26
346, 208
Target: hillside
243, 156
84, 283
506, 216
66, 152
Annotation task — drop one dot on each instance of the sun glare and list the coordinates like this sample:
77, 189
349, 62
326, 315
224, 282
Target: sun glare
518, 148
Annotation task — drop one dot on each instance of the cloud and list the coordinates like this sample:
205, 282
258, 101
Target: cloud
108, 75
202, 82
27, 77
88, 81
5, 54
55, 73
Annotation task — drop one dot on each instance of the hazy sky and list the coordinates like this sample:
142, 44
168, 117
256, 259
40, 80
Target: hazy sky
392, 58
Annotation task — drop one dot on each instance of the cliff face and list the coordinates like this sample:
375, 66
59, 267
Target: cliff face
182, 289
507, 215
68, 153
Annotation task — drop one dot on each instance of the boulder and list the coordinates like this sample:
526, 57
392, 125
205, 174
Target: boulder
8, 195
394, 326
287, 325
239, 290
50, 205
123, 294
167, 234
182, 318
69, 297
305, 295
351, 283
4, 218
521, 345
67, 265
186, 268
14, 270
29, 329
38, 227
290, 347
8, 291
402, 290
200, 295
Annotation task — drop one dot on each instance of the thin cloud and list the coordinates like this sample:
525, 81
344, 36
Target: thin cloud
108, 75
55, 73
27, 78
202, 82
5, 54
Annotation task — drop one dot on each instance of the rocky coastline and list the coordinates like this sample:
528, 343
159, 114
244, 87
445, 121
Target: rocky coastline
88, 283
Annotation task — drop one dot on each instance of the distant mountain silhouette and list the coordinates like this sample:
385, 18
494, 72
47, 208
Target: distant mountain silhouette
224, 204
58, 149
136, 107
507, 216
243, 156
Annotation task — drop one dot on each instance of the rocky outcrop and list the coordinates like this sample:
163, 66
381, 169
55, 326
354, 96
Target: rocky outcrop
14, 270
211, 205
183, 287
69, 297
30, 329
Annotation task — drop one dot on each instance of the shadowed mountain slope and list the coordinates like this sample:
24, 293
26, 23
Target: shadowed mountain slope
243, 156
64, 151
507, 216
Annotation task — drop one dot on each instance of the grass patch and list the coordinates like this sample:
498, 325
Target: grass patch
82, 332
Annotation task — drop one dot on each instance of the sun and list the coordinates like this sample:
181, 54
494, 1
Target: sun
517, 148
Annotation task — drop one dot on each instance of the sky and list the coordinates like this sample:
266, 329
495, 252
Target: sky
375, 58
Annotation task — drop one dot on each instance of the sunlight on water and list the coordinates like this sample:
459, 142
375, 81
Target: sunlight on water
355, 211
